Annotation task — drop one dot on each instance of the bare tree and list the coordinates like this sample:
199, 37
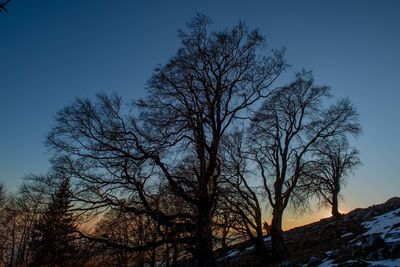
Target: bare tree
225, 225
241, 193
3, 5
193, 102
334, 162
3, 223
19, 213
2, 195
286, 128
128, 229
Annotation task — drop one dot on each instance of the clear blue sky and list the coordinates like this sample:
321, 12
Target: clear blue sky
53, 51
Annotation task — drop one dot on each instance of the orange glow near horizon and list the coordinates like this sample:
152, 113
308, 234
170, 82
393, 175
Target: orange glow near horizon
291, 221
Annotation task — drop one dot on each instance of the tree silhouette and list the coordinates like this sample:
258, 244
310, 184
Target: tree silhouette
241, 197
3, 5
193, 102
285, 130
54, 233
335, 161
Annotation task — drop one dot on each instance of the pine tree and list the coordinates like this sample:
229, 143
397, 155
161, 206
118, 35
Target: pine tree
52, 240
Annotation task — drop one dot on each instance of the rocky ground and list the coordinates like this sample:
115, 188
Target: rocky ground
363, 237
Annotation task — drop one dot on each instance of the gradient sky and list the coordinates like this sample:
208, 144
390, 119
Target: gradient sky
53, 51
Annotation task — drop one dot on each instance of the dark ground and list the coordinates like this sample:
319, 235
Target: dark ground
339, 240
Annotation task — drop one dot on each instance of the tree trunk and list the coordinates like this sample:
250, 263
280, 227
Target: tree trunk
204, 247
259, 241
335, 204
278, 246
335, 195
175, 254
225, 231
260, 246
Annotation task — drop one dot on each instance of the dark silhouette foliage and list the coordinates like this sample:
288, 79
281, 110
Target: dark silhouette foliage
187, 169
193, 101
334, 162
284, 132
52, 239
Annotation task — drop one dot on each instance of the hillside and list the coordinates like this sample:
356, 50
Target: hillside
362, 237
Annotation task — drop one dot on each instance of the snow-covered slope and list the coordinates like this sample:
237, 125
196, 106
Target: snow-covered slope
386, 225
382, 234
363, 237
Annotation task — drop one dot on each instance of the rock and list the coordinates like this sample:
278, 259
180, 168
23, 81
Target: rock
394, 250
313, 261
381, 253
373, 242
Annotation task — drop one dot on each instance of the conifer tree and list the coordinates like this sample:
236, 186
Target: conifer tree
52, 240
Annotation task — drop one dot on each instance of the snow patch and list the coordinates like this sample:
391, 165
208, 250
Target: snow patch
230, 254
328, 252
267, 238
250, 248
385, 263
348, 234
383, 225
326, 263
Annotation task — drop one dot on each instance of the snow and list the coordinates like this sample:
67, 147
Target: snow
386, 225
230, 254
383, 225
235, 252
267, 238
382, 263
250, 248
326, 263
348, 234
385, 263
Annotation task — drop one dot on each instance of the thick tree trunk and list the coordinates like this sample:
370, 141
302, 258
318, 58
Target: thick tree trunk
259, 241
261, 249
335, 204
204, 247
224, 245
278, 245
335, 196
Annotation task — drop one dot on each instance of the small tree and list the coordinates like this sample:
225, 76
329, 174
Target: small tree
240, 195
284, 132
3, 222
18, 215
53, 235
225, 225
335, 161
2, 195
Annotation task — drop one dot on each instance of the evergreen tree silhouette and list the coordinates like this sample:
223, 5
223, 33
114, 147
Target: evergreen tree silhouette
52, 240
